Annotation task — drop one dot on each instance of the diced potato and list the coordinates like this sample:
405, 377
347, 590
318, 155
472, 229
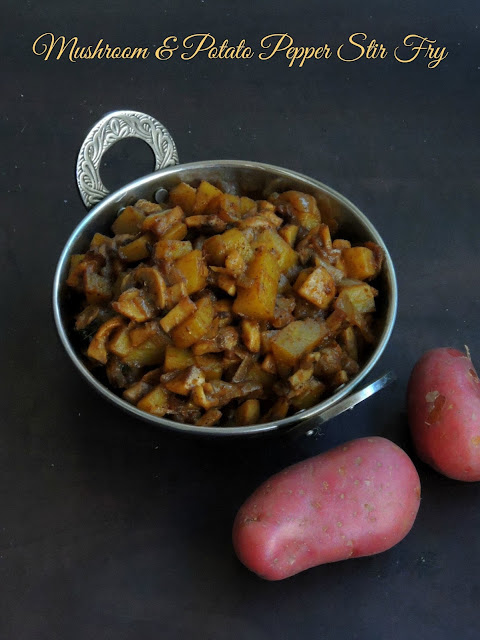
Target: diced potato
256, 374
223, 310
184, 381
258, 301
278, 410
178, 314
171, 249
120, 343
297, 339
208, 223
211, 365
159, 223
155, 402
235, 263
348, 339
341, 377
193, 268
217, 247
226, 206
175, 293
75, 275
176, 359
310, 395
195, 326
360, 263
183, 195
341, 244
97, 349
227, 284
300, 377
137, 250
317, 286
289, 233
360, 297
248, 412
147, 207
133, 305
149, 353
142, 332
99, 239
129, 221
247, 205
177, 231
97, 288
251, 334
269, 239
268, 365
209, 418
205, 193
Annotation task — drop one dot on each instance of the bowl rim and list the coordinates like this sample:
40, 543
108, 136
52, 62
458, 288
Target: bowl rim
117, 196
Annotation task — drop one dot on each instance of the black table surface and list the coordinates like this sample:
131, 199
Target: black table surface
110, 528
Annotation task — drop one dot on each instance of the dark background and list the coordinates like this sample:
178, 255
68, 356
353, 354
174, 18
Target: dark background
112, 529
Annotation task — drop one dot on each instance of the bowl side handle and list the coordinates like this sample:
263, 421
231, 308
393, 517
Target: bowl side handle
113, 127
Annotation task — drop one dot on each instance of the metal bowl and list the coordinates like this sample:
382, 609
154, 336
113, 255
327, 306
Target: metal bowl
247, 178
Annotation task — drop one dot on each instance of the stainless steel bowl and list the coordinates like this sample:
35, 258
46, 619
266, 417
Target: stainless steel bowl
247, 178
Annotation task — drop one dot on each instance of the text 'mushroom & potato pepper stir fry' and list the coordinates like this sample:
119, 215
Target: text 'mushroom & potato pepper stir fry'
216, 309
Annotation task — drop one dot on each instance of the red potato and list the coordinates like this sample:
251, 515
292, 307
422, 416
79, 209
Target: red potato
443, 401
358, 499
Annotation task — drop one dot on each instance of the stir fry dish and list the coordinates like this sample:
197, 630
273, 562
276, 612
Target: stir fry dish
217, 309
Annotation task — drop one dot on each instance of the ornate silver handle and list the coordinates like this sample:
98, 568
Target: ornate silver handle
113, 127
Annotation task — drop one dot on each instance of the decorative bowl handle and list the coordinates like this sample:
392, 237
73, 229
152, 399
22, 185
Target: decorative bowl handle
113, 127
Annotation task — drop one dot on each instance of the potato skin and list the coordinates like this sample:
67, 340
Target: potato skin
358, 499
443, 401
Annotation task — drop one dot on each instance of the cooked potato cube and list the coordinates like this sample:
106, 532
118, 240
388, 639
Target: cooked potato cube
178, 314
205, 193
251, 334
310, 395
317, 286
211, 365
258, 300
137, 250
247, 205
155, 402
177, 231
193, 268
171, 249
226, 206
269, 239
149, 353
129, 221
97, 288
120, 343
183, 195
289, 233
209, 418
297, 339
217, 247
248, 412
359, 262
184, 381
77, 269
195, 326
360, 297
159, 223
176, 359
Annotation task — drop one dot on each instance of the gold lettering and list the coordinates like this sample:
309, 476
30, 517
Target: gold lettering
355, 44
48, 43
189, 43
165, 52
265, 44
